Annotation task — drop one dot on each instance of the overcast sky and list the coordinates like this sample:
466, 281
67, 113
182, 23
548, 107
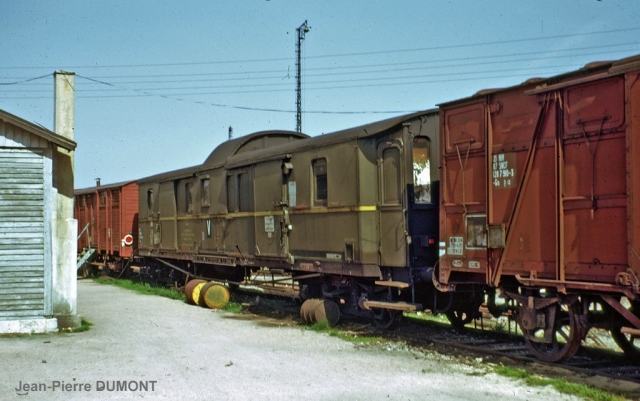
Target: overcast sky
158, 83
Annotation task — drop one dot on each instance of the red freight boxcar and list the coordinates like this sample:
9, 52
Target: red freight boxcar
108, 222
541, 201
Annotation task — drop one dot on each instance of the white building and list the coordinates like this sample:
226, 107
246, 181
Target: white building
32, 161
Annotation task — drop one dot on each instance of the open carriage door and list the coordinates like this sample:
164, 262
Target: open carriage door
392, 226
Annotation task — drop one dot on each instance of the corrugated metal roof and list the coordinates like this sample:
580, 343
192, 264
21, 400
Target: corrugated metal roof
38, 130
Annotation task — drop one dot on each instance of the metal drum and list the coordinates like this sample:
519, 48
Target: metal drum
189, 289
317, 310
214, 296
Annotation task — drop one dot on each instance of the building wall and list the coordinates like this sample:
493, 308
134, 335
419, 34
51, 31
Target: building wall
25, 225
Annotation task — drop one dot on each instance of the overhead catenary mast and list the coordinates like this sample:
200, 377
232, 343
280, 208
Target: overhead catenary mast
302, 30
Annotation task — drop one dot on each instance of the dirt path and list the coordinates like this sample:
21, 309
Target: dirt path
185, 352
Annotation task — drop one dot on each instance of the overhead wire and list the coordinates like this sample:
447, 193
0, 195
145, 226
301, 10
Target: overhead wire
118, 88
423, 64
431, 48
355, 69
25, 80
332, 74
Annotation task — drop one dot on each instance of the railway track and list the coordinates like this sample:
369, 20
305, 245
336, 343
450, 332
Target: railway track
588, 362
601, 366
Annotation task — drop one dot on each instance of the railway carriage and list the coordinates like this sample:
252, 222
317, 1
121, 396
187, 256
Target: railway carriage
108, 223
350, 217
524, 199
541, 202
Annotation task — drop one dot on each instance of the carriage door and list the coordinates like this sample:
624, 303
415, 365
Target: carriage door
390, 199
423, 206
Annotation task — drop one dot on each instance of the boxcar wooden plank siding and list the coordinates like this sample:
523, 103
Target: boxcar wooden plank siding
22, 234
110, 212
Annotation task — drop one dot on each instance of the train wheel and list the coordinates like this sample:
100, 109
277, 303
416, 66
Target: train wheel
386, 319
628, 343
565, 334
458, 319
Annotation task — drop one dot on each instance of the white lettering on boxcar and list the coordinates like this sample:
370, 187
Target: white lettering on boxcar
503, 166
455, 246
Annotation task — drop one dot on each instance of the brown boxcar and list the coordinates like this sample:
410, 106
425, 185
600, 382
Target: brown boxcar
108, 222
541, 200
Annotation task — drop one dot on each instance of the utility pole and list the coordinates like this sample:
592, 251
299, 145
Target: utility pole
302, 30
65, 228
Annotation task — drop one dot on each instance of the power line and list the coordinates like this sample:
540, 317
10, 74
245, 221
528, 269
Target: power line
422, 67
118, 88
472, 62
425, 65
422, 62
25, 80
447, 47
173, 96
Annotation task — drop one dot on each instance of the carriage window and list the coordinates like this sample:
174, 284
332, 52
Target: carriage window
150, 199
320, 182
204, 192
421, 170
188, 198
115, 197
391, 176
477, 231
103, 198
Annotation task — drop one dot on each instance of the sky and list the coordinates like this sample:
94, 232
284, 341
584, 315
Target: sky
159, 83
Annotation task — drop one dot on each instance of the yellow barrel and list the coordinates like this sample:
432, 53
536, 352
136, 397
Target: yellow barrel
189, 289
196, 292
214, 296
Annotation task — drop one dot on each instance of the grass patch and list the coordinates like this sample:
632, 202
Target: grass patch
561, 385
233, 307
142, 288
426, 316
85, 325
324, 327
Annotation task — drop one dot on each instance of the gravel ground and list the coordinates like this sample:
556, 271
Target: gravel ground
184, 352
